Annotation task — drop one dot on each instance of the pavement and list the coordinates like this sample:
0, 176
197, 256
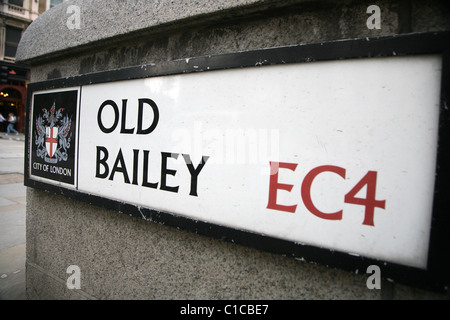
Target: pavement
12, 217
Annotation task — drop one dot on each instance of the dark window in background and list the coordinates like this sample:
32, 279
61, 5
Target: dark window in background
55, 2
12, 41
16, 2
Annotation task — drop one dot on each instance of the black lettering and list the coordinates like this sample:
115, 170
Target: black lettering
165, 171
152, 127
116, 116
194, 172
124, 120
122, 168
102, 161
135, 166
145, 182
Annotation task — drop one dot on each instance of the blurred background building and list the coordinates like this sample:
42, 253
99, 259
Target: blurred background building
15, 17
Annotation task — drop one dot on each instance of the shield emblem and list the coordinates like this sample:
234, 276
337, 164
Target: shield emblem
51, 141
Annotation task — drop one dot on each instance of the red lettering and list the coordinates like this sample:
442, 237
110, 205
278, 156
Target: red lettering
306, 191
369, 202
369, 180
275, 185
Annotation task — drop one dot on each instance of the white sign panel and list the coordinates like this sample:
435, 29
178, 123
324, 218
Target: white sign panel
335, 154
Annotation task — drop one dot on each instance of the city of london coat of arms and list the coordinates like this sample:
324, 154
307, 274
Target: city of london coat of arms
53, 135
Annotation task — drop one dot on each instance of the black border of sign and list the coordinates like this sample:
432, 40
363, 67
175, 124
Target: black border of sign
435, 278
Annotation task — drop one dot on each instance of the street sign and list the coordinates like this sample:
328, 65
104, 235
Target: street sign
54, 149
328, 160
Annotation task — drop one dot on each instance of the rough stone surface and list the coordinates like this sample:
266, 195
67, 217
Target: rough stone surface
105, 23
126, 258
101, 20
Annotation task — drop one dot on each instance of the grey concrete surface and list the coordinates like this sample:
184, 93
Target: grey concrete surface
11, 153
105, 22
12, 218
102, 19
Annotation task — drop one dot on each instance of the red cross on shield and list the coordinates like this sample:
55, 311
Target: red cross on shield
51, 143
